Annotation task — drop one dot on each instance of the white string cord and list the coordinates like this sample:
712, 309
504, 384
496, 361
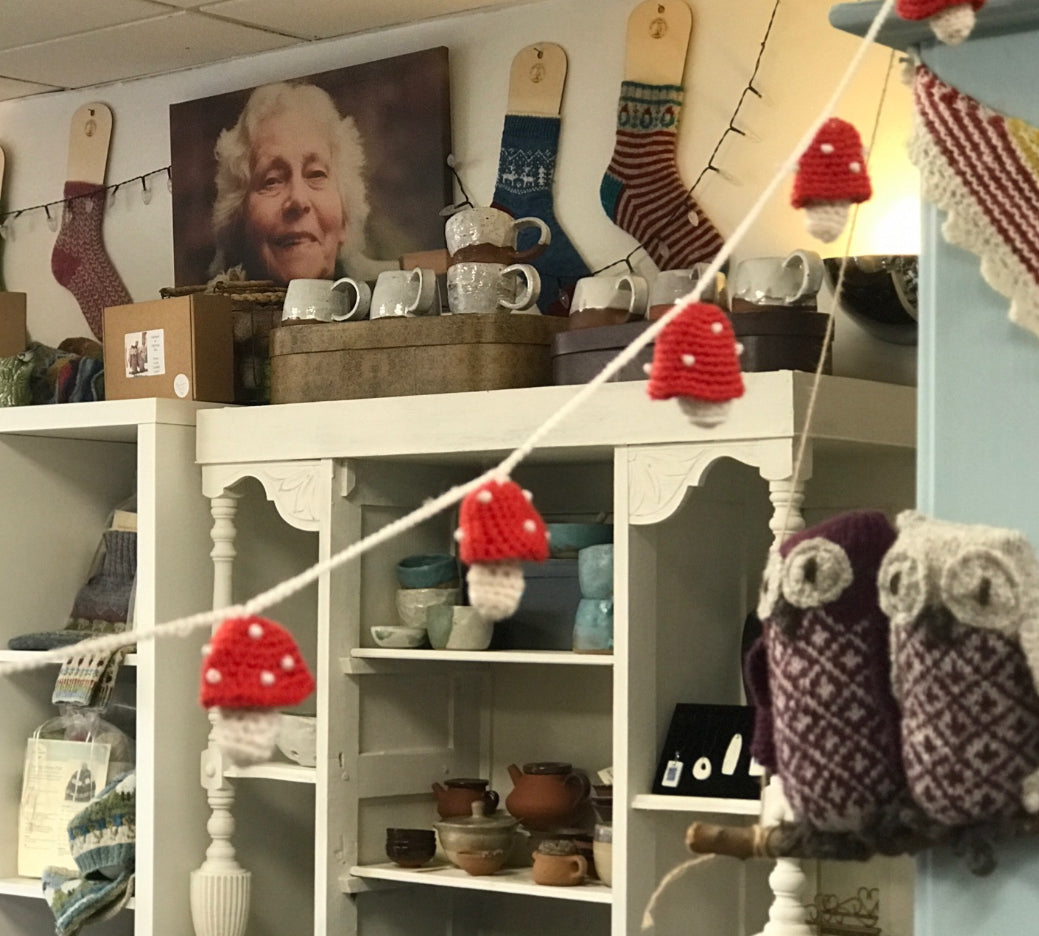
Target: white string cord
183, 626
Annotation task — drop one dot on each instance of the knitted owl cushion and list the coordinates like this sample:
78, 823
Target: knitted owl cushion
829, 707
963, 599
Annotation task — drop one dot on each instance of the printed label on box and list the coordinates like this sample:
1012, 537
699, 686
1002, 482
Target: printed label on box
143, 353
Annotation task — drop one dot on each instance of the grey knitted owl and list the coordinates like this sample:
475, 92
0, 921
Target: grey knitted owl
828, 720
964, 607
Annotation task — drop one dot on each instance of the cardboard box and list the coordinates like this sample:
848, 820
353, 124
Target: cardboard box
181, 347
13, 337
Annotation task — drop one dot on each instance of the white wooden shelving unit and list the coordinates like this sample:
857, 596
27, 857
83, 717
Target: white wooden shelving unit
63, 468
695, 512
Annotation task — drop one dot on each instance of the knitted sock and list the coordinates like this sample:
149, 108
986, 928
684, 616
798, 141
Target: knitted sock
79, 261
102, 604
642, 191
526, 167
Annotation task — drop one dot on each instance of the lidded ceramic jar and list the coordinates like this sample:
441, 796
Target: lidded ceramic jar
491, 838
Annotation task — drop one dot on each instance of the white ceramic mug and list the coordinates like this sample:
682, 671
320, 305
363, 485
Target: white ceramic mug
321, 300
793, 280
672, 285
472, 227
608, 300
405, 293
492, 287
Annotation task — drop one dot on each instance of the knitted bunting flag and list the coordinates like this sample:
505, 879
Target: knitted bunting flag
982, 169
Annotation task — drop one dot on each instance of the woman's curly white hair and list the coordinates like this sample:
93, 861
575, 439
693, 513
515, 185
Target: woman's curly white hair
233, 171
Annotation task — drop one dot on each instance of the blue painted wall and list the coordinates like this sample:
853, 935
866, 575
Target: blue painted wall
978, 452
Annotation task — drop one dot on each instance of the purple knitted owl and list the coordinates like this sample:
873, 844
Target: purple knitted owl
964, 606
829, 723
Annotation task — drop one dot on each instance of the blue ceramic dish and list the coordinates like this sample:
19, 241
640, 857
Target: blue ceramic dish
567, 539
427, 571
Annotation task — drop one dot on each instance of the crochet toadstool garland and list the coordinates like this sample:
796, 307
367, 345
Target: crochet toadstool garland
252, 668
831, 176
498, 528
696, 361
951, 20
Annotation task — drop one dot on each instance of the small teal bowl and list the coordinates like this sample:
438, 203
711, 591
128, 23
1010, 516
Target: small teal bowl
565, 540
427, 571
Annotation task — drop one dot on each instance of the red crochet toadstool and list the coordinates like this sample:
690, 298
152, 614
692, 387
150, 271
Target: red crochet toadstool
951, 20
498, 529
252, 667
696, 360
831, 175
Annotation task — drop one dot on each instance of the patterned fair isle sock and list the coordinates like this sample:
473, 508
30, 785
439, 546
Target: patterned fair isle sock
642, 191
79, 261
526, 167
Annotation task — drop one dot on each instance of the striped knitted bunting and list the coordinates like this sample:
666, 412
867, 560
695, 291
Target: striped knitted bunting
982, 169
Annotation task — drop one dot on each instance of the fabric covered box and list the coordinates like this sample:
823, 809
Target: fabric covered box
405, 356
179, 348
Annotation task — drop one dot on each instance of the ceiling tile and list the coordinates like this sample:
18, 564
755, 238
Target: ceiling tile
323, 19
11, 89
155, 46
41, 20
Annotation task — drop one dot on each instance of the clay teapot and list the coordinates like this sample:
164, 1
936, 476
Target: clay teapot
456, 797
546, 794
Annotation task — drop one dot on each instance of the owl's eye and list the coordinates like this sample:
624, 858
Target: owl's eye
769, 585
815, 572
901, 586
981, 588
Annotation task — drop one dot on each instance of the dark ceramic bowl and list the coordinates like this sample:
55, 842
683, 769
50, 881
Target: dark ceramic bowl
566, 540
410, 848
879, 294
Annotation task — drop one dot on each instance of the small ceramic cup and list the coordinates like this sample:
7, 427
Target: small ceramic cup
602, 850
458, 627
473, 227
608, 300
672, 285
319, 300
593, 626
491, 287
400, 293
413, 604
595, 571
793, 280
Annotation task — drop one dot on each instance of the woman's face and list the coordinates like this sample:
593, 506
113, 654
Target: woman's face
294, 220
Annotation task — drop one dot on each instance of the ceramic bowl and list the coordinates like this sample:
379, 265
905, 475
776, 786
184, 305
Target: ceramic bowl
567, 539
427, 571
879, 293
480, 862
413, 603
410, 848
397, 637
297, 738
490, 837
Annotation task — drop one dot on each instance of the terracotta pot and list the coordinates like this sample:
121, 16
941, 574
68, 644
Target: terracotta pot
546, 795
456, 797
559, 870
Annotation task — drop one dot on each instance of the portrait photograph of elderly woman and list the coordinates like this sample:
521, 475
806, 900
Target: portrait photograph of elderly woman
334, 174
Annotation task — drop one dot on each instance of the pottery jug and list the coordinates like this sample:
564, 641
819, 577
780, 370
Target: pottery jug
545, 795
559, 870
456, 797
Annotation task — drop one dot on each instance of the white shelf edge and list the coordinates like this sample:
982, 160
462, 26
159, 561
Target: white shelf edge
552, 657
31, 888
287, 773
696, 804
18, 656
506, 881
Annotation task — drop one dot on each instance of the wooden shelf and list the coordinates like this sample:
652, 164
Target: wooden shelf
287, 773
31, 888
696, 804
17, 656
506, 881
103, 421
526, 657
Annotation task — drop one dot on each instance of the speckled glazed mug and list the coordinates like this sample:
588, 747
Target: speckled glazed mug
492, 287
474, 227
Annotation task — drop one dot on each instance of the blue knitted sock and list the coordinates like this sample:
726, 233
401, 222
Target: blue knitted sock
524, 189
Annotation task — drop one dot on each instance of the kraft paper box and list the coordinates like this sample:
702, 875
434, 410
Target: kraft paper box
181, 347
13, 338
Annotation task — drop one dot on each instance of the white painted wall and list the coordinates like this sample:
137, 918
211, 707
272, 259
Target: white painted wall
802, 63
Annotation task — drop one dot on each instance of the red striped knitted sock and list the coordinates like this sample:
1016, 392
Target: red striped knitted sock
642, 191
79, 261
